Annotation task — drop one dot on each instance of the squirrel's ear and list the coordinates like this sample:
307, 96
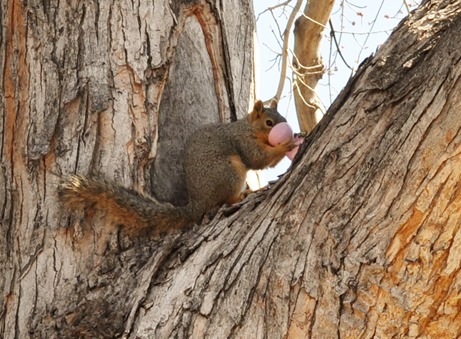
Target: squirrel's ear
258, 109
259, 106
274, 103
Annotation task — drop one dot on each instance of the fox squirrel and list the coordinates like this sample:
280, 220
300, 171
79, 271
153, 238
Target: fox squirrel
217, 159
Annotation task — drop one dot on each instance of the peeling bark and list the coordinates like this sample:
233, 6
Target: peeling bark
360, 239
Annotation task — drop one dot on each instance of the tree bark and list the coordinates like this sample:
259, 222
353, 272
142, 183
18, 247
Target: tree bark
360, 239
84, 88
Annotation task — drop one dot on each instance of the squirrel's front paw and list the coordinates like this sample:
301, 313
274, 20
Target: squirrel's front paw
289, 145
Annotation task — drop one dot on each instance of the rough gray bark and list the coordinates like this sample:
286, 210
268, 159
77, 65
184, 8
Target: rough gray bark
361, 239
84, 87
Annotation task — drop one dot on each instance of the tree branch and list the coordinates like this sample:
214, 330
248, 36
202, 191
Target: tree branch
308, 35
286, 38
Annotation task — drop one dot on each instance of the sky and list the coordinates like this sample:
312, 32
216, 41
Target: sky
360, 26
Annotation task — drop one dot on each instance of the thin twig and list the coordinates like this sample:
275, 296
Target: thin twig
371, 28
286, 36
333, 35
406, 6
271, 8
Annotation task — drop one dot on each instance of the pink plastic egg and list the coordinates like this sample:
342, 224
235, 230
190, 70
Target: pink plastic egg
280, 134
291, 154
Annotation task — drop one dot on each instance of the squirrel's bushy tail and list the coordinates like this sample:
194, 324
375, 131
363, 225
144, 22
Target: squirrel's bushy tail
123, 204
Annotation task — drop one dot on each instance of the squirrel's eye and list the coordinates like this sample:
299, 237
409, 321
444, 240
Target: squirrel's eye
269, 123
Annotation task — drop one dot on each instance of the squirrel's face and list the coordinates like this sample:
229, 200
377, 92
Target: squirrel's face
263, 119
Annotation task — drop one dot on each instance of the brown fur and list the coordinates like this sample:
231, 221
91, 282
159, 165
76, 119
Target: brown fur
217, 159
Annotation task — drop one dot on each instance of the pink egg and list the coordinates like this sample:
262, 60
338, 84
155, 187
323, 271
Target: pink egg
280, 134
291, 154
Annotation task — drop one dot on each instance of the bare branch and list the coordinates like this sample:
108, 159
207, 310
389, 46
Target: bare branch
271, 8
371, 28
286, 37
333, 35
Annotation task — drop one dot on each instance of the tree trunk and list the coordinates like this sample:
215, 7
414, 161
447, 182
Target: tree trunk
85, 87
360, 239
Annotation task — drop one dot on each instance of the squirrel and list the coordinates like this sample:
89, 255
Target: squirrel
217, 159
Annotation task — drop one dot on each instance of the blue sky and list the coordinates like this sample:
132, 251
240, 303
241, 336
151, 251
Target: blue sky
360, 26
